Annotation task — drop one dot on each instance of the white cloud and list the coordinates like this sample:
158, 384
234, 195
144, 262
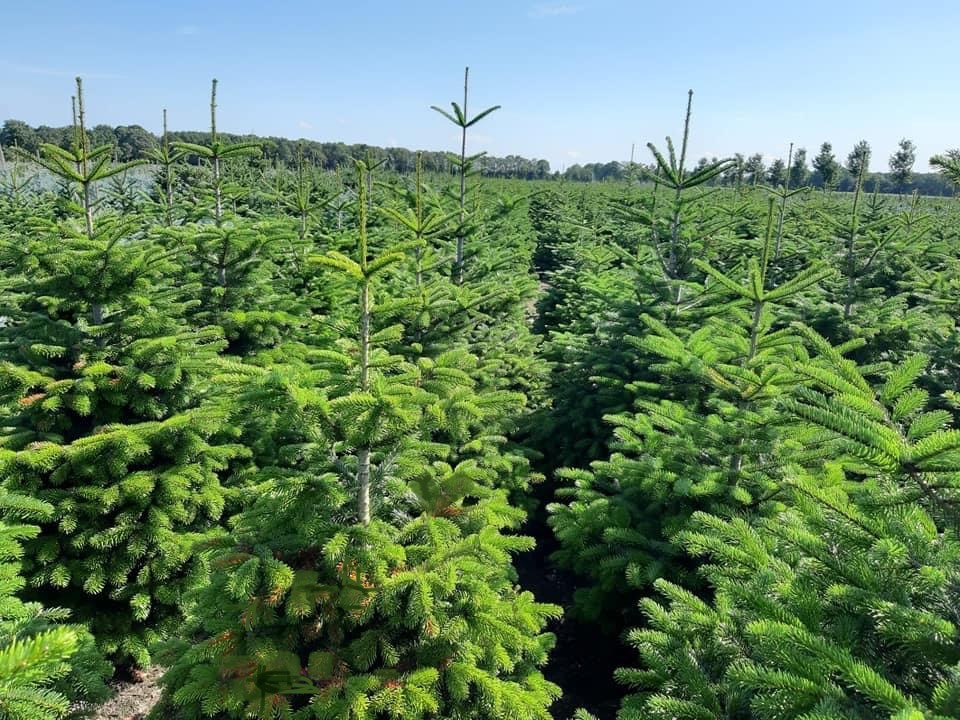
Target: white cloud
573, 154
187, 30
553, 9
305, 125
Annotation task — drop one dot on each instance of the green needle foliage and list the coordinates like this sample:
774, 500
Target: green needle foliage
45, 665
672, 172
216, 154
275, 415
110, 424
165, 156
714, 441
110, 419
371, 578
81, 163
235, 261
311, 620
842, 605
463, 163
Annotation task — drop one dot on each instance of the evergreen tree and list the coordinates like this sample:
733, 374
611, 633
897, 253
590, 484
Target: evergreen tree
45, 665
858, 161
166, 158
692, 450
111, 416
777, 173
826, 165
216, 154
754, 168
371, 577
464, 164
843, 604
799, 172
235, 261
901, 163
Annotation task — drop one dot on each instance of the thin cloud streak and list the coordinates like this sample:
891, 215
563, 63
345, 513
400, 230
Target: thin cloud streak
554, 9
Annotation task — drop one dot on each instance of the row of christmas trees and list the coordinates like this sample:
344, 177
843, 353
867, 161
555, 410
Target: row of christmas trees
755, 397
264, 431
270, 451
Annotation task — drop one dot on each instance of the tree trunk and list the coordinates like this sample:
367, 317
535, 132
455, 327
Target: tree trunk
217, 193
463, 181
363, 454
363, 483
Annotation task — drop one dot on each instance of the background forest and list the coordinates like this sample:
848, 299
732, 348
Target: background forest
824, 170
342, 432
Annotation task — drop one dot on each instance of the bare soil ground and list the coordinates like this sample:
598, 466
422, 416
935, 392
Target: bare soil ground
133, 699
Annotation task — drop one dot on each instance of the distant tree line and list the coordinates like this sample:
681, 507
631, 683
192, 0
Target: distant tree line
132, 142
824, 170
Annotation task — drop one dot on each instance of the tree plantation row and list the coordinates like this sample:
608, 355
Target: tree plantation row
290, 433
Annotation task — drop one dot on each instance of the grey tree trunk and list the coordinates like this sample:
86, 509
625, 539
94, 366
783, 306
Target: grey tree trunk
363, 454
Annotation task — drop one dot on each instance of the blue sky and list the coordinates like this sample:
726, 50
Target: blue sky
579, 80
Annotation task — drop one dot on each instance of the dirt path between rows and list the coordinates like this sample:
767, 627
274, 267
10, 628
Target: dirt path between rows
134, 699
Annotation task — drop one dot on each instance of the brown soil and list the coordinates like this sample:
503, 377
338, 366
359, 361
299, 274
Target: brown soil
134, 699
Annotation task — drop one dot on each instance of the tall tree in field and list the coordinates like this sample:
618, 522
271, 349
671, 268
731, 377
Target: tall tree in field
231, 258
616, 521
370, 578
217, 153
858, 161
826, 164
464, 164
901, 163
673, 248
777, 174
799, 173
754, 168
166, 158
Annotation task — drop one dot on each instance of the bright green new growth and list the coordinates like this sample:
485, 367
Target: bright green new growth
843, 604
371, 577
275, 417
109, 417
45, 665
463, 163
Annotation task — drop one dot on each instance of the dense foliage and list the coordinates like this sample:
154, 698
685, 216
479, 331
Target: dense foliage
284, 428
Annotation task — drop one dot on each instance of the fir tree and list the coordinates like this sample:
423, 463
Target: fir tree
464, 164
825, 163
109, 419
45, 665
371, 577
166, 157
713, 450
843, 604
234, 260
